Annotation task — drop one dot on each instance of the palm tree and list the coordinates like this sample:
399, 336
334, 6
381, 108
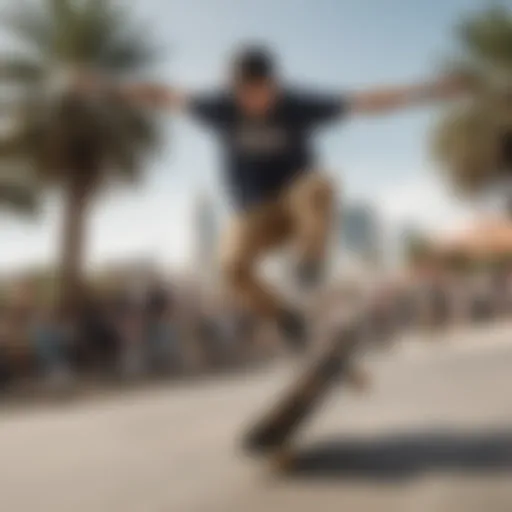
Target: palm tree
77, 145
418, 247
473, 140
19, 198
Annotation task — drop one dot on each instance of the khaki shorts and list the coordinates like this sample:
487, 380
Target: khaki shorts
300, 215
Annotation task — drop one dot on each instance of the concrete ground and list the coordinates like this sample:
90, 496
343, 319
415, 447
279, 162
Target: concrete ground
434, 434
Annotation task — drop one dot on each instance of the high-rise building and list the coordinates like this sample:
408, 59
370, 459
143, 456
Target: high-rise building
205, 226
360, 232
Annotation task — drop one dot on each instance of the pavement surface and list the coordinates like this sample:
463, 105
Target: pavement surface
434, 434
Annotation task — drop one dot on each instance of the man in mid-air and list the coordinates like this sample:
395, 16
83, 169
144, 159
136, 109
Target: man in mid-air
280, 194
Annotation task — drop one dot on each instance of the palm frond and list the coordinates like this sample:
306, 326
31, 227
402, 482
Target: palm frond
488, 36
130, 136
58, 132
18, 188
130, 53
469, 141
20, 199
94, 25
466, 143
61, 10
118, 44
17, 144
30, 25
20, 70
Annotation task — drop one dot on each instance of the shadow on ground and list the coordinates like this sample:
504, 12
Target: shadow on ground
407, 455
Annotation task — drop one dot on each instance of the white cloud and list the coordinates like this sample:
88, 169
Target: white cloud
140, 224
424, 202
154, 225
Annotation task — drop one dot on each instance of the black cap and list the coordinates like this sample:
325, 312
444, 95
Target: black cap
253, 64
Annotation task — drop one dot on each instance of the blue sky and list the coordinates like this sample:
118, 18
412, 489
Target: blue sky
332, 44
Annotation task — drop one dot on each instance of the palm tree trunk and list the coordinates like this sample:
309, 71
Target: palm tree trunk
76, 197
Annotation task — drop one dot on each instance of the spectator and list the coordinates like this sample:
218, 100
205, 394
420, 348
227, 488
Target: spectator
481, 299
5, 369
161, 336
99, 339
130, 326
49, 342
439, 304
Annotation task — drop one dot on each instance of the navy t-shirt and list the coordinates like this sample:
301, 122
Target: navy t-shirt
262, 155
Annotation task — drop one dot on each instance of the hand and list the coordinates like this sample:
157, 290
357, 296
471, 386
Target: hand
454, 84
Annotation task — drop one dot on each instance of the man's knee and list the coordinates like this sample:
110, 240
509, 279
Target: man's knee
236, 271
314, 191
321, 192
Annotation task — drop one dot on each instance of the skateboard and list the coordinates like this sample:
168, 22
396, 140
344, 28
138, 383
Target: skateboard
270, 436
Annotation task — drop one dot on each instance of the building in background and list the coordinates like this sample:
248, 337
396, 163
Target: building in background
205, 227
357, 247
360, 232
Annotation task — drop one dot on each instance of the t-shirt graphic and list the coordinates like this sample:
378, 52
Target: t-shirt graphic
261, 139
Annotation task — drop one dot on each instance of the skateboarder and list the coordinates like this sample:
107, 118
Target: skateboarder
280, 193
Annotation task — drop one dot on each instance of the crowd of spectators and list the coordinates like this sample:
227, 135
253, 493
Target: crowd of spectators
444, 300
160, 331
126, 335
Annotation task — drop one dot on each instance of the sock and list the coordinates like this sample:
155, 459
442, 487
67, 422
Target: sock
310, 273
293, 326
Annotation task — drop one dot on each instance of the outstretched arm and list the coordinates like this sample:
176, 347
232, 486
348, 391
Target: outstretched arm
211, 109
154, 96
381, 101
149, 95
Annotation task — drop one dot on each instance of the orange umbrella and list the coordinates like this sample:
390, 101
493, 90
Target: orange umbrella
487, 239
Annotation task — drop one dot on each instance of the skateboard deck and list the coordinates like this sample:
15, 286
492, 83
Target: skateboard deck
272, 433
